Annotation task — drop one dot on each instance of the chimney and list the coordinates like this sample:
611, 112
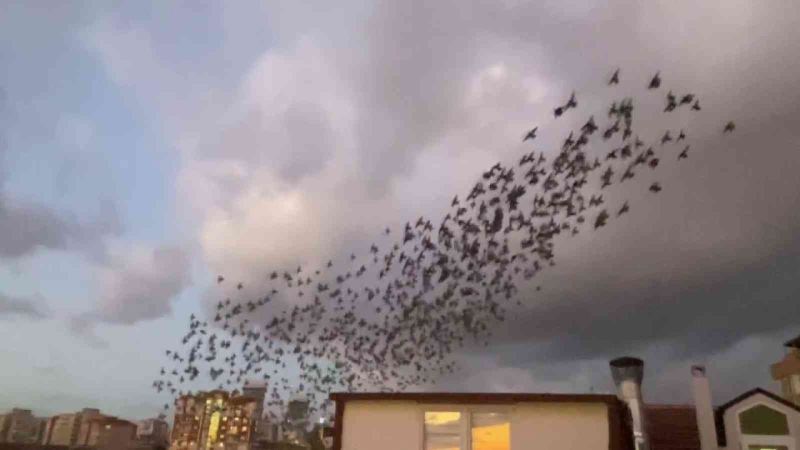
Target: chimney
627, 373
704, 409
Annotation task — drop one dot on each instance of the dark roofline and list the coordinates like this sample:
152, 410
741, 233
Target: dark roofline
752, 392
719, 413
473, 397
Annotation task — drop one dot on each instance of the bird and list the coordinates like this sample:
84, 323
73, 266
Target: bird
655, 187
572, 102
531, 134
729, 127
625, 208
655, 82
684, 153
614, 78
220, 279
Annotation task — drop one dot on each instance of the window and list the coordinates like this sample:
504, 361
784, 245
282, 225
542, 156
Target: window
490, 431
763, 420
443, 430
467, 430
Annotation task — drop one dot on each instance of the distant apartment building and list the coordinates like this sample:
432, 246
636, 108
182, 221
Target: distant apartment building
63, 429
215, 419
110, 433
297, 421
152, 433
71, 429
20, 427
787, 372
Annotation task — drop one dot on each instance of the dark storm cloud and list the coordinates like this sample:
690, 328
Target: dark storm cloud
712, 262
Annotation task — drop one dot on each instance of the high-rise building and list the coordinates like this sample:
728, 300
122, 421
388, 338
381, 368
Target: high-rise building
19, 427
64, 429
297, 419
297, 411
72, 428
153, 432
207, 419
110, 433
258, 392
85, 418
787, 371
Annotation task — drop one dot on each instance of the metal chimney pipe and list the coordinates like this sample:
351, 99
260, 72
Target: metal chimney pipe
704, 409
627, 373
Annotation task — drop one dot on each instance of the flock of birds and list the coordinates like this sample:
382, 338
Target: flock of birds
391, 319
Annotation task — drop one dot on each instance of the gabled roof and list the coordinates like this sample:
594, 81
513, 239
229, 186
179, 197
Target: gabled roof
719, 413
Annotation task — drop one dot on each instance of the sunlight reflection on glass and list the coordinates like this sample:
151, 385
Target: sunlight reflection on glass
491, 431
443, 430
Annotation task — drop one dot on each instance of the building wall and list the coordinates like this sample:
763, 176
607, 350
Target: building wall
559, 425
398, 425
19, 426
732, 430
787, 373
64, 430
87, 415
387, 425
112, 436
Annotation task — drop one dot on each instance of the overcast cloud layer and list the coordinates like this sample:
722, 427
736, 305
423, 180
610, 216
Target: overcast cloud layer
296, 133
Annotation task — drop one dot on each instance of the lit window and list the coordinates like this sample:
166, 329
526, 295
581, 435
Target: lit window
443, 430
467, 430
490, 431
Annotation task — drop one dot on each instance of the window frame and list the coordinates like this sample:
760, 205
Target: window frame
466, 411
745, 440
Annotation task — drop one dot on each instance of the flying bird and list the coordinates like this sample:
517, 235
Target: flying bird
655, 82
729, 127
614, 78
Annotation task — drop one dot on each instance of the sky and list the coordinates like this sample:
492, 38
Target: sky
147, 146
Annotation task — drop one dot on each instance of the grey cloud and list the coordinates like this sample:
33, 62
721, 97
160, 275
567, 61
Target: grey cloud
11, 306
26, 228
143, 290
708, 264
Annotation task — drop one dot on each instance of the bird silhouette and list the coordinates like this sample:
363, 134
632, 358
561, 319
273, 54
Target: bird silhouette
614, 78
655, 82
729, 127
530, 134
